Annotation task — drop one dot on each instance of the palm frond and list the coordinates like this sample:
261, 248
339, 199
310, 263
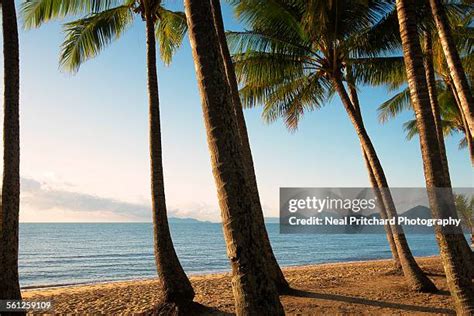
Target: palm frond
37, 12
389, 71
170, 30
395, 105
292, 99
240, 42
410, 128
283, 17
260, 69
85, 38
462, 143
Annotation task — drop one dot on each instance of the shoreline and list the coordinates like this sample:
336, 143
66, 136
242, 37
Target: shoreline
198, 274
367, 287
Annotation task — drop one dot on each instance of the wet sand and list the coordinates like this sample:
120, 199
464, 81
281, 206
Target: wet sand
367, 288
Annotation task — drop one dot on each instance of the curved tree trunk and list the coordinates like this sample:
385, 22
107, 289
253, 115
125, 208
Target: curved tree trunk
415, 277
470, 145
455, 259
383, 214
178, 292
273, 268
433, 95
354, 98
467, 133
254, 291
9, 282
435, 110
454, 62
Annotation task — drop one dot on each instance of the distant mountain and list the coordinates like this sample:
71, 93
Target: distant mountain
185, 220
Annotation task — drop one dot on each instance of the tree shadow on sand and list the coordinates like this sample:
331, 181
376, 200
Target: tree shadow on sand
194, 309
199, 309
364, 301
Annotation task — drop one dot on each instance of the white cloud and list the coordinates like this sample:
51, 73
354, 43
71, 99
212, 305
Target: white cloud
41, 201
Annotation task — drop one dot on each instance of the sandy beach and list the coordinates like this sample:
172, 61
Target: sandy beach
368, 287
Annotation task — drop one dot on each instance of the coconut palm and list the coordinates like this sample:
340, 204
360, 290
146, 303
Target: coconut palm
85, 38
10, 206
441, 90
298, 54
254, 291
451, 243
273, 268
465, 209
454, 61
452, 122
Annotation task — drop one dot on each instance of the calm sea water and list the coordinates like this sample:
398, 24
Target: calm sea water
54, 254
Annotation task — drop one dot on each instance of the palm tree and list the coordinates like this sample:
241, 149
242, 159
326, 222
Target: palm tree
465, 208
451, 117
453, 252
255, 292
443, 97
10, 200
85, 38
433, 95
298, 54
273, 268
454, 62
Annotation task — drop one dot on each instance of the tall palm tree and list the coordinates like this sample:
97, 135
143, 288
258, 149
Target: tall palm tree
372, 178
273, 268
9, 282
452, 121
441, 89
454, 62
255, 292
452, 250
433, 95
297, 55
85, 38
465, 209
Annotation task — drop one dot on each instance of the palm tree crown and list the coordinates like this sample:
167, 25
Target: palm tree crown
288, 61
105, 21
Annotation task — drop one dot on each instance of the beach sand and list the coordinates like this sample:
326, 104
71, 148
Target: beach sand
368, 288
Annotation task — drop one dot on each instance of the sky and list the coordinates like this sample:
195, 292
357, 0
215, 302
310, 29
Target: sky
84, 138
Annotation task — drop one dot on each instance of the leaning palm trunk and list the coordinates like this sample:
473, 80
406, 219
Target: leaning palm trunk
454, 62
383, 214
354, 98
9, 282
254, 291
470, 145
453, 252
415, 277
435, 110
178, 292
433, 95
273, 269
467, 133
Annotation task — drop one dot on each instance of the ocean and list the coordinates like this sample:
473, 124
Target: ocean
59, 254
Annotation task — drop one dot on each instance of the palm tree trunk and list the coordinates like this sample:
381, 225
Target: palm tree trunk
452, 248
415, 277
454, 62
433, 95
467, 133
470, 145
354, 98
178, 292
383, 214
9, 281
254, 292
273, 268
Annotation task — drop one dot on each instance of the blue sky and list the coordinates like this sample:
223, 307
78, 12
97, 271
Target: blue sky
85, 148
